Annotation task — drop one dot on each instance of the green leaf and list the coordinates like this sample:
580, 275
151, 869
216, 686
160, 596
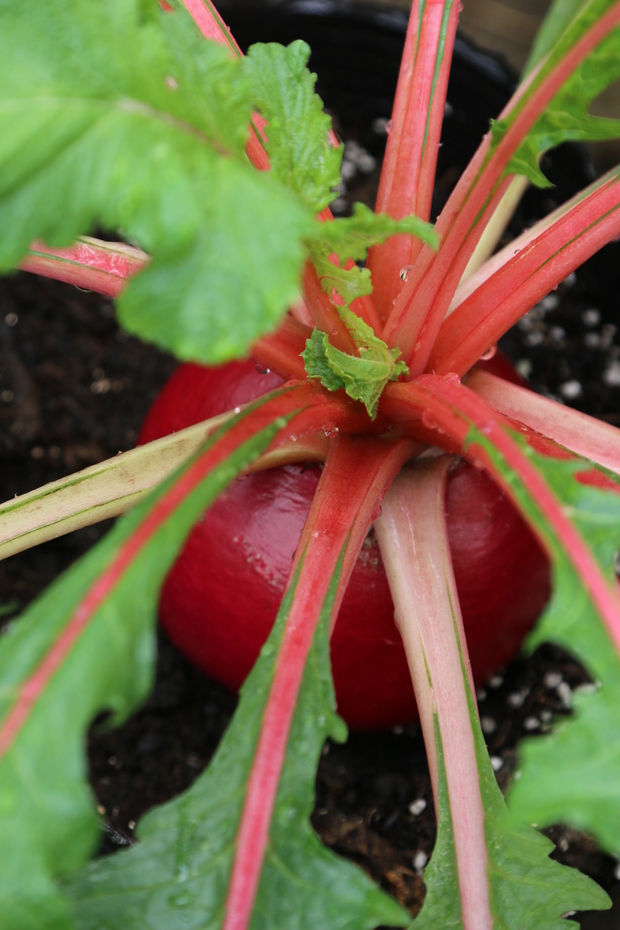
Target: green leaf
556, 21
363, 377
178, 873
527, 889
317, 363
48, 824
571, 619
214, 299
567, 117
300, 151
585, 751
349, 282
442, 904
352, 236
584, 748
115, 113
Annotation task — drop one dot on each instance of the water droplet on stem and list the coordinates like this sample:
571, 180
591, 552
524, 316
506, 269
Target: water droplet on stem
489, 354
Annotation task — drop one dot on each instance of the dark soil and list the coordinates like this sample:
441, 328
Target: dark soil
74, 390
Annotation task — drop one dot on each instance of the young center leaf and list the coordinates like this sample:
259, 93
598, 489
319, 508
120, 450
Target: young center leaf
115, 113
352, 236
348, 239
363, 377
84, 647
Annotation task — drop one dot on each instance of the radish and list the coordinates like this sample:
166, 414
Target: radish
221, 598
160, 137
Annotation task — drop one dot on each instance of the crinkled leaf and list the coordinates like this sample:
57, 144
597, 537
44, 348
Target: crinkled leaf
363, 377
352, 236
349, 282
235, 281
317, 361
48, 824
567, 117
115, 113
178, 873
526, 887
300, 151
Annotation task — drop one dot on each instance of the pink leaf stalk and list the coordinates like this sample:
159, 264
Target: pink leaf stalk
103, 267
464, 217
419, 310
408, 172
281, 350
212, 26
453, 409
351, 488
474, 280
414, 545
582, 434
286, 403
496, 305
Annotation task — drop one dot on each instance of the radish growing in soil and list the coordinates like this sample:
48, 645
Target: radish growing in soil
120, 114
246, 543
